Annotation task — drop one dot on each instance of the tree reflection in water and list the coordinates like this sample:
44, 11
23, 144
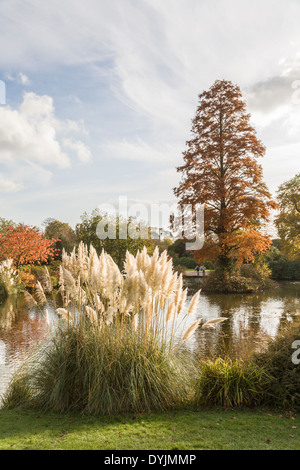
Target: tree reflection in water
20, 328
252, 320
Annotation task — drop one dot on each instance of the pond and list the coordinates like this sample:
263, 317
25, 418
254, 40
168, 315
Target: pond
252, 319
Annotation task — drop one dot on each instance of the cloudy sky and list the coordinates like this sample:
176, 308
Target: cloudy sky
100, 95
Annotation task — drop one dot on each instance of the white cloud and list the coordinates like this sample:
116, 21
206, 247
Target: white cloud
140, 151
38, 107
168, 52
24, 80
82, 151
20, 78
8, 186
32, 133
163, 53
32, 138
156, 57
281, 164
29, 133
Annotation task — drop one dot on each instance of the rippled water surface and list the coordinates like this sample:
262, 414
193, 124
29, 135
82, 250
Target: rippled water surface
251, 319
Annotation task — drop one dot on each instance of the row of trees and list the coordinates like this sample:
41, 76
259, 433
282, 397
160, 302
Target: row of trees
29, 245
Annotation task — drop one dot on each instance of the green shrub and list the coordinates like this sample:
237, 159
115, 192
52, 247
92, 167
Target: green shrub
258, 271
180, 269
54, 268
228, 383
282, 268
283, 388
225, 282
286, 269
210, 265
87, 370
244, 279
189, 263
37, 271
29, 275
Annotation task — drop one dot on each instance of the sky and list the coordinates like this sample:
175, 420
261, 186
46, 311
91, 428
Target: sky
100, 95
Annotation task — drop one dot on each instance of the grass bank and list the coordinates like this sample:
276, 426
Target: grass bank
208, 429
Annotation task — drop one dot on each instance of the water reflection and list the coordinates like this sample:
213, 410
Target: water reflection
252, 319
20, 328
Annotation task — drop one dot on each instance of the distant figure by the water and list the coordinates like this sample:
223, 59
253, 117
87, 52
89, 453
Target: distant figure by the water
200, 268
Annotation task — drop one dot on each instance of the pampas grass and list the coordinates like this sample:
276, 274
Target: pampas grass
116, 347
81, 369
147, 297
8, 275
40, 294
29, 300
47, 281
190, 331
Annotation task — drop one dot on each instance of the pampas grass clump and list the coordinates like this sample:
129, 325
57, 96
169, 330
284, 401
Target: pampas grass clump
81, 369
116, 346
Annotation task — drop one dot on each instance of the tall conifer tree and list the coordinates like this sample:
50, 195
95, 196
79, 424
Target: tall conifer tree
221, 172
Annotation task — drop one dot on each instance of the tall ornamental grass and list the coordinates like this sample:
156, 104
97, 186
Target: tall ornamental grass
229, 383
85, 369
8, 277
119, 344
281, 361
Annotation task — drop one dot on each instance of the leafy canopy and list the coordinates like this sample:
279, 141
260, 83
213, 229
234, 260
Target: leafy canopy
221, 172
87, 232
25, 244
288, 219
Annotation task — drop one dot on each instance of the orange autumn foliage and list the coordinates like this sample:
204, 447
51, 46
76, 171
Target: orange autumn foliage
25, 245
221, 172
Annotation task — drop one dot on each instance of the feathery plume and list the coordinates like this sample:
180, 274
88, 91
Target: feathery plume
92, 314
212, 323
193, 304
40, 294
170, 312
110, 316
29, 299
63, 312
135, 322
190, 331
182, 301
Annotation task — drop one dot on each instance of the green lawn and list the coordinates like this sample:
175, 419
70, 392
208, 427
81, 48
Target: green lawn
184, 430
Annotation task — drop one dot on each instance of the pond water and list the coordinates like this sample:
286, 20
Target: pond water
252, 319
